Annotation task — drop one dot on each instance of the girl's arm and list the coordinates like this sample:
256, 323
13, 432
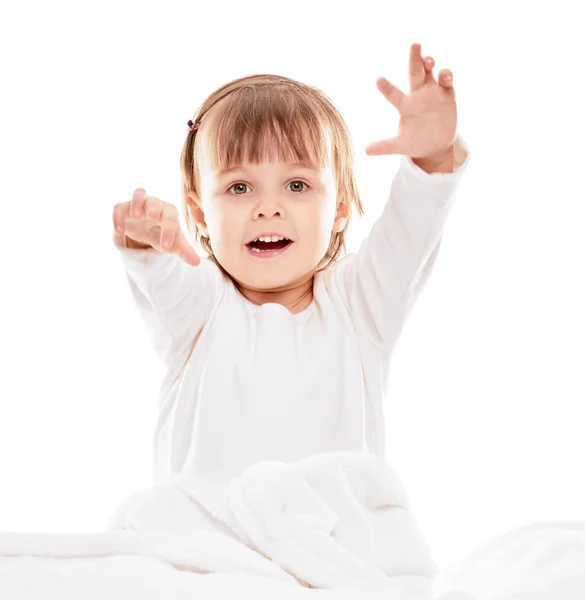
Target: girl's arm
173, 298
382, 281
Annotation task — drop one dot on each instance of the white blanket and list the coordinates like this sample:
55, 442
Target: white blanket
340, 522
541, 561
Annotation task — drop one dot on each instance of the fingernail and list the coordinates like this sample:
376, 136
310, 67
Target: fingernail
119, 228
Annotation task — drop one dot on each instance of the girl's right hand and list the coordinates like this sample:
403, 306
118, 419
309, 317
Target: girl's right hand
148, 220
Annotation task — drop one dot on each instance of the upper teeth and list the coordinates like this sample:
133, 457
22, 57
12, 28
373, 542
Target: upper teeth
269, 238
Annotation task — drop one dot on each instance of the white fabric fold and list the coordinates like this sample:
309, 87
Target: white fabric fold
338, 521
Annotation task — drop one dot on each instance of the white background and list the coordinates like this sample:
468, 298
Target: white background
485, 406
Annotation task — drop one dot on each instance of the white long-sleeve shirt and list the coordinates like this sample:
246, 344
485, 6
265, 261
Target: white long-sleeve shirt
246, 383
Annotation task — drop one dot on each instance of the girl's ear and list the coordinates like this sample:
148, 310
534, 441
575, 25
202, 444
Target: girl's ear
341, 216
195, 208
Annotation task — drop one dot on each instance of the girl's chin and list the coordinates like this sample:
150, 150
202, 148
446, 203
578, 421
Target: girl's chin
275, 281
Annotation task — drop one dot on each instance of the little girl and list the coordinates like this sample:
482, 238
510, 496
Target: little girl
275, 347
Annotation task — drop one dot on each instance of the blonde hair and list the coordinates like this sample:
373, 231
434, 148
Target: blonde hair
250, 112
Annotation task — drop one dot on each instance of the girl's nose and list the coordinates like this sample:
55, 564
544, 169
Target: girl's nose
269, 212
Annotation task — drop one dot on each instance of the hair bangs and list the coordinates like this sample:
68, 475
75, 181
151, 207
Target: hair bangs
254, 127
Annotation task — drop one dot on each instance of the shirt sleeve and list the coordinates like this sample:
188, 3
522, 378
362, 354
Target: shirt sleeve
173, 298
380, 284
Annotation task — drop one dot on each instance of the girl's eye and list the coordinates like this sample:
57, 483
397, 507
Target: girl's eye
246, 185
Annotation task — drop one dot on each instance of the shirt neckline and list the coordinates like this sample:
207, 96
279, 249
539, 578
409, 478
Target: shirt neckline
258, 309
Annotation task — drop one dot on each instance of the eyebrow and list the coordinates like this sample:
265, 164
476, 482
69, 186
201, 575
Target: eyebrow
305, 165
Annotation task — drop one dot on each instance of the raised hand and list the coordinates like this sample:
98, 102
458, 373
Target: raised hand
428, 114
148, 220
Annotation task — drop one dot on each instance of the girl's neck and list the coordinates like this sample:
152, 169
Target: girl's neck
296, 296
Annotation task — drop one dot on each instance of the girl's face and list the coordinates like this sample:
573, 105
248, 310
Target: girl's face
274, 200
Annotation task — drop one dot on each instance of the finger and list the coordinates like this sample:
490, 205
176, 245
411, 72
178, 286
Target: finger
120, 214
429, 63
186, 251
169, 226
446, 78
137, 203
153, 208
416, 70
172, 238
383, 147
394, 95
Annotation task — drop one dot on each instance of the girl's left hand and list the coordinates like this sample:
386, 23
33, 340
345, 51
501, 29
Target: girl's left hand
428, 115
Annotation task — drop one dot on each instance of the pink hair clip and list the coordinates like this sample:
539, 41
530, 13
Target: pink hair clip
193, 126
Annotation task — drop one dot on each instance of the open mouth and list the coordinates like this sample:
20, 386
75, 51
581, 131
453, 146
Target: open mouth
268, 245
